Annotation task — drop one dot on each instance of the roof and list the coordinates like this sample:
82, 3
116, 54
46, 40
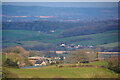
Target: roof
38, 62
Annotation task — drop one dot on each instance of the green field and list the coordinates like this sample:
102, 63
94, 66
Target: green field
98, 63
55, 72
66, 72
33, 38
10, 44
23, 35
32, 43
110, 45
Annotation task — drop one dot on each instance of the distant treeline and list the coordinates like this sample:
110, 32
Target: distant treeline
58, 13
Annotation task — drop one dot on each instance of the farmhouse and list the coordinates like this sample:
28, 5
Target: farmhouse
39, 63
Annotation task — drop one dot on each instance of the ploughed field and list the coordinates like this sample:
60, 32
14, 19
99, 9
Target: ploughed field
65, 72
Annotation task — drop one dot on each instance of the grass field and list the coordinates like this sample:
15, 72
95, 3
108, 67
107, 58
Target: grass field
23, 35
66, 72
32, 43
110, 45
10, 44
98, 63
55, 72
33, 38
96, 39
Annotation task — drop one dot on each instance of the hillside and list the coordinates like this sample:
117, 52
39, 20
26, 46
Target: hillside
34, 38
110, 45
47, 28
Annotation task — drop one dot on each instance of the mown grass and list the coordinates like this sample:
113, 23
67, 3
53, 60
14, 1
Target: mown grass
53, 72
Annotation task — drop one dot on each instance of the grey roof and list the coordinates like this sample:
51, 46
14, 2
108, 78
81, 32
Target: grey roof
38, 62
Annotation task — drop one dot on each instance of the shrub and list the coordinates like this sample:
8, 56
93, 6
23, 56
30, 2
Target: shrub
52, 63
10, 63
114, 64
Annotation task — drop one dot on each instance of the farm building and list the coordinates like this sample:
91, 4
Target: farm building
39, 63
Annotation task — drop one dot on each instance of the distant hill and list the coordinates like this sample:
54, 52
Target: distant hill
31, 39
33, 13
46, 28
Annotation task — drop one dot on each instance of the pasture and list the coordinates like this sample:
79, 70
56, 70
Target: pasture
66, 72
34, 38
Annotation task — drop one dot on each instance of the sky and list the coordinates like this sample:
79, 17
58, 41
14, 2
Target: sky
59, 3
64, 4
60, 0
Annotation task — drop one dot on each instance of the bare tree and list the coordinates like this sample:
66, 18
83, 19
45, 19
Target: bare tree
78, 56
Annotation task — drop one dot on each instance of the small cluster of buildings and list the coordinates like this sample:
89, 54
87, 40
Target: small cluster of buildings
38, 61
74, 46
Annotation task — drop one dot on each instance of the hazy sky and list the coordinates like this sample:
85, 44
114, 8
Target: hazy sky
60, 0
64, 4
69, 3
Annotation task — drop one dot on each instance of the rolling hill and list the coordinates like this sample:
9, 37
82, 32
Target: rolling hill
34, 38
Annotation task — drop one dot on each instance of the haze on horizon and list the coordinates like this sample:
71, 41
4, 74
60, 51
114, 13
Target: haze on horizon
64, 4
